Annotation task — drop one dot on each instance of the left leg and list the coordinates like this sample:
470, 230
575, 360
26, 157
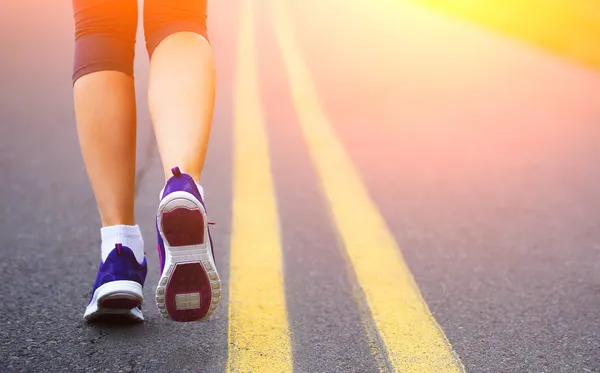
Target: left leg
104, 96
105, 111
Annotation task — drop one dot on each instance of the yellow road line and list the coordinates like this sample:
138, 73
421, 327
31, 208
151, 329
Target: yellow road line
413, 340
259, 338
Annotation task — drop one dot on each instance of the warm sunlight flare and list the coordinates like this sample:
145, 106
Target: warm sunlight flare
570, 28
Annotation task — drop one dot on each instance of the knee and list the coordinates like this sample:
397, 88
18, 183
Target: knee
105, 33
163, 18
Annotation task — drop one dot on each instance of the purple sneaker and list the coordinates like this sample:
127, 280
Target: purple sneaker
118, 286
189, 288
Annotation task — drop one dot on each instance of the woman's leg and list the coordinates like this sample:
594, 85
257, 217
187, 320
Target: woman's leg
182, 82
181, 99
105, 102
105, 112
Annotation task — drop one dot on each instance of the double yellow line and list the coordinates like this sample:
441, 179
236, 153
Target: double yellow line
259, 338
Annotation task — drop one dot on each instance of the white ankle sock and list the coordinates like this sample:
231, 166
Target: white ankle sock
127, 235
201, 190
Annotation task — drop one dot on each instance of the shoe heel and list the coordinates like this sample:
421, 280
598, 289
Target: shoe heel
183, 226
123, 301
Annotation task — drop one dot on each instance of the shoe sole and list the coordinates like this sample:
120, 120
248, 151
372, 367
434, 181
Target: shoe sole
189, 288
118, 298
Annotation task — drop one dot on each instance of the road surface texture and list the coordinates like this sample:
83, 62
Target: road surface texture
345, 133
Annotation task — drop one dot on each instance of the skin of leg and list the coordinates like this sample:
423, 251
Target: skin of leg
104, 98
181, 97
105, 112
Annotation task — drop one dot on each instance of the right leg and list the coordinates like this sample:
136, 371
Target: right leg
105, 112
181, 98
182, 82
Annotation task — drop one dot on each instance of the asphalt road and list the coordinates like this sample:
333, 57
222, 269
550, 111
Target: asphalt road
480, 153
